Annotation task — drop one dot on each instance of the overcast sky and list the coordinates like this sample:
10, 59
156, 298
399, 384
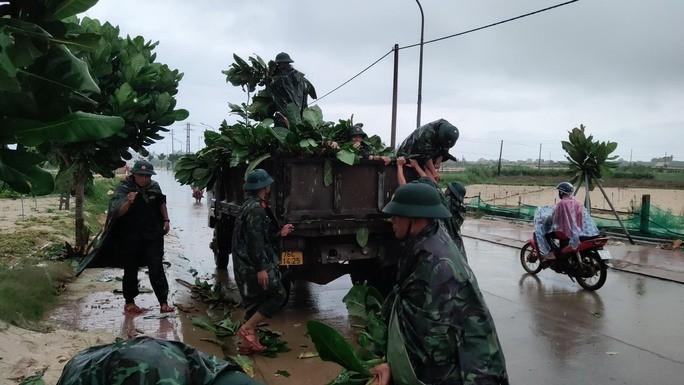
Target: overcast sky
614, 65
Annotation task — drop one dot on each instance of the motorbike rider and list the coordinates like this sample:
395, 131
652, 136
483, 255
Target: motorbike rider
567, 219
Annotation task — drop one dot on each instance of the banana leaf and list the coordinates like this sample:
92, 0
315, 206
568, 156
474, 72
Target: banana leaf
331, 346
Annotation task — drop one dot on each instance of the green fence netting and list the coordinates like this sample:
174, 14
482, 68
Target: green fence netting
660, 224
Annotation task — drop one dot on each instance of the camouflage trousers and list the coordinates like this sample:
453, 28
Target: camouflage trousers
254, 298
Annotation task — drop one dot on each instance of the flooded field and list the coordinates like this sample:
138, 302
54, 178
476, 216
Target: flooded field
624, 199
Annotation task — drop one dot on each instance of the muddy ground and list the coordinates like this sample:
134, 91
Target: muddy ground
551, 330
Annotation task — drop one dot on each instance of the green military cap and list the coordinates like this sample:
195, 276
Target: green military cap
448, 134
357, 129
416, 200
143, 167
283, 58
458, 190
256, 180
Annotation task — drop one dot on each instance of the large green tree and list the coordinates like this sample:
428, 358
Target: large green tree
45, 90
133, 86
589, 160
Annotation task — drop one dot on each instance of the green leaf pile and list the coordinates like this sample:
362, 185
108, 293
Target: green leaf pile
257, 135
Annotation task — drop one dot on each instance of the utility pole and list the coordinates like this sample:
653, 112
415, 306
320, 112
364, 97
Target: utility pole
172, 140
539, 163
630, 156
420, 64
187, 139
498, 172
395, 87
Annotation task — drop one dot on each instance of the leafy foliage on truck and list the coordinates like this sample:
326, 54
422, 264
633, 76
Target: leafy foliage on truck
249, 141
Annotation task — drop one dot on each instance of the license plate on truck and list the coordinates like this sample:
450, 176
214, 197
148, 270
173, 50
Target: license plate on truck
289, 258
604, 254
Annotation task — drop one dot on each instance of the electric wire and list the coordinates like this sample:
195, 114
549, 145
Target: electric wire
444, 38
491, 25
355, 76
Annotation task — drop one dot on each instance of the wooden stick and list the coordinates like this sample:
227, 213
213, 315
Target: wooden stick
614, 212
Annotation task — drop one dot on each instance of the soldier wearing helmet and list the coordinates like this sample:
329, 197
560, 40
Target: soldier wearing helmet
137, 221
358, 138
439, 328
256, 257
429, 145
287, 85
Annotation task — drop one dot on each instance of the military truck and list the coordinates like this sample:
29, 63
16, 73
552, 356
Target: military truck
339, 226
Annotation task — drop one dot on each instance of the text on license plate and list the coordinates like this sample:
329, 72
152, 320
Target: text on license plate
288, 258
605, 254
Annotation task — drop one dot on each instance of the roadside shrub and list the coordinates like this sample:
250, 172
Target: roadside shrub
26, 293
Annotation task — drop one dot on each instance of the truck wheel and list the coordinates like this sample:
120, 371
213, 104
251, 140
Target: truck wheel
370, 271
221, 244
287, 284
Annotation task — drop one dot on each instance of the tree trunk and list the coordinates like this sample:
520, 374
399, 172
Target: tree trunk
81, 230
587, 198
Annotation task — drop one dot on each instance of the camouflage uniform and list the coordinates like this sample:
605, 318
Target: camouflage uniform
255, 248
424, 143
289, 86
148, 361
453, 224
441, 331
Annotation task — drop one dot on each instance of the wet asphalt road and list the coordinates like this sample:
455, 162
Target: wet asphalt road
552, 331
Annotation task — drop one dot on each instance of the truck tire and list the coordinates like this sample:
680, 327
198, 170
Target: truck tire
371, 272
223, 233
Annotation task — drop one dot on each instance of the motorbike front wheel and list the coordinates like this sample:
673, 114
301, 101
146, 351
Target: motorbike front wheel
593, 262
529, 258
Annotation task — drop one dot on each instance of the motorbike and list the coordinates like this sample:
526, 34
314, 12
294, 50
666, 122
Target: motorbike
585, 264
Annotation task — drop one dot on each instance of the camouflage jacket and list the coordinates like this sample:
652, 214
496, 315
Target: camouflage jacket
290, 87
145, 361
448, 330
255, 241
423, 143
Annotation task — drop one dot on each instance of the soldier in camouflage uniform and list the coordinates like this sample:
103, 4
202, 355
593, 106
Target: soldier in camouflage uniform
256, 258
150, 361
429, 145
357, 137
440, 330
455, 202
287, 85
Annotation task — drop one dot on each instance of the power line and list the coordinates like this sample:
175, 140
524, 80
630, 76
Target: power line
444, 38
355, 76
492, 25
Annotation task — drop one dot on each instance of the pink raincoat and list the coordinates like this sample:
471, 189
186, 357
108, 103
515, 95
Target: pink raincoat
568, 218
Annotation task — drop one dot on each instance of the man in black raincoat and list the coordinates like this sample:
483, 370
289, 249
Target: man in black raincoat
134, 235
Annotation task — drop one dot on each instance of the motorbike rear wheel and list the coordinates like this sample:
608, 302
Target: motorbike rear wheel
530, 259
596, 281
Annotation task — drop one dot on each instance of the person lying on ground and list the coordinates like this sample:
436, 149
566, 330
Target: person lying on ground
150, 361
